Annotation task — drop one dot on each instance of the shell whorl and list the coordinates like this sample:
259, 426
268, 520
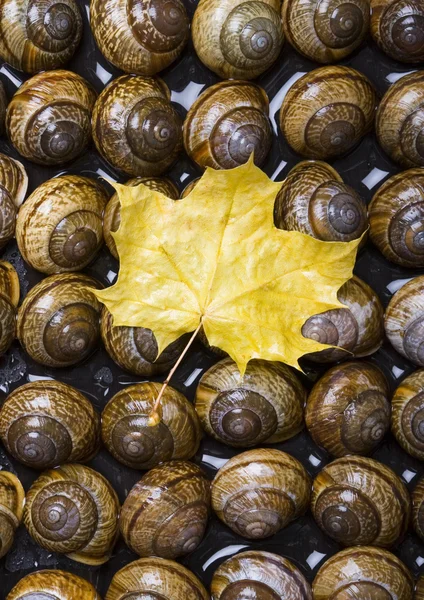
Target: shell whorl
13, 187
53, 585
408, 414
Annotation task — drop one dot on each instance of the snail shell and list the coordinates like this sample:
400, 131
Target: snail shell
166, 512
135, 127
396, 216
9, 298
418, 508
38, 35
400, 120
3, 107
237, 38
358, 328
140, 36
404, 321
73, 510
52, 584
48, 119
112, 216
189, 188
59, 227
314, 200
419, 589
129, 438
58, 322
326, 30
408, 414
365, 573
38, 425
12, 497
359, 501
13, 187
398, 28
327, 111
348, 409
258, 492
265, 405
227, 123
151, 578
259, 575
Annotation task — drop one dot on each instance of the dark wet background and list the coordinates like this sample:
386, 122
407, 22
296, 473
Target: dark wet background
99, 378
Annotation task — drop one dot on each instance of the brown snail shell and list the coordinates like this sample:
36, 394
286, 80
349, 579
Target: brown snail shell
358, 328
58, 322
135, 127
418, 508
348, 409
237, 38
419, 589
327, 111
59, 227
38, 35
359, 501
314, 200
258, 492
112, 215
226, 124
398, 28
365, 573
396, 216
404, 321
48, 119
259, 575
3, 107
140, 36
12, 497
326, 30
151, 578
400, 120
9, 298
166, 512
408, 414
53, 585
38, 425
265, 405
128, 436
13, 188
73, 510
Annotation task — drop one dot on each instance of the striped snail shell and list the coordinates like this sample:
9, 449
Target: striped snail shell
58, 322
135, 127
418, 508
265, 405
48, 119
326, 30
155, 578
226, 124
112, 215
396, 216
166, 512
3, 107
408, 414
398, 28
333, 119
258, 492
259, 575
38, 425
9, 298
13, 188
12, 498
38, 35
52, 584
359, 501
59, 227
400, 121
128, 436
348, 409
73, 510
314, 200
237, 38
140, 36
358, 328
404, 321
365, 573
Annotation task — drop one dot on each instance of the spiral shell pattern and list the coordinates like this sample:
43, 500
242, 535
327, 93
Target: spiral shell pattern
408, 414
13, 187
12, 497
53, 585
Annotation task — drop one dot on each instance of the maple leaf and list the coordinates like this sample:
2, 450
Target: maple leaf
216, 259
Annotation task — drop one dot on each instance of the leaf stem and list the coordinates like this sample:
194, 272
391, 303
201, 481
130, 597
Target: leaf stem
154, 417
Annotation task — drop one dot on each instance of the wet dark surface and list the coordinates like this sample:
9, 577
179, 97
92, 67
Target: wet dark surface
365, 169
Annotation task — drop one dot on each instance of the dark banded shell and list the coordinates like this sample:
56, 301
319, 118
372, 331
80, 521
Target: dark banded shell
408, 414
52, 584
418, 508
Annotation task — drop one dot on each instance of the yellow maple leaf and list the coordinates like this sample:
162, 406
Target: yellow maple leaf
216, 258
